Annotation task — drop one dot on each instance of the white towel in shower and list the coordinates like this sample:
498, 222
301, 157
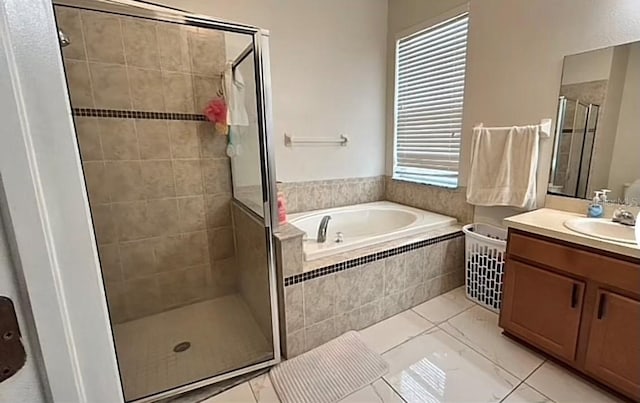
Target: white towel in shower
503, 166
234, 94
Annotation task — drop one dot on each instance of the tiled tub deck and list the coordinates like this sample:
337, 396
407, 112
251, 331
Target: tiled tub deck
324, 298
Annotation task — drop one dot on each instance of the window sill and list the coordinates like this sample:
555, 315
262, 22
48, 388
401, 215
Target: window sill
425, 183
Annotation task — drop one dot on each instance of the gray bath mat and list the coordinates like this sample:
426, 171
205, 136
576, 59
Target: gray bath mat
328, 373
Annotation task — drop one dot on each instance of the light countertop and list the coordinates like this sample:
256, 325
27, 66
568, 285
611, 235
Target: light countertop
550, 223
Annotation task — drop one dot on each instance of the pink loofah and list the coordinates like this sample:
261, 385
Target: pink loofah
216, 111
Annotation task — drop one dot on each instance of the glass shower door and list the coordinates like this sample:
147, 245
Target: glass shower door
187, 267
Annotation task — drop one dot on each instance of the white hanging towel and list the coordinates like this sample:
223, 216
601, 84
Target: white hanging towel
234, 94
503, 166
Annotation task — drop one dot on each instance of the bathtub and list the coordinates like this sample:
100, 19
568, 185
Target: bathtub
364, 225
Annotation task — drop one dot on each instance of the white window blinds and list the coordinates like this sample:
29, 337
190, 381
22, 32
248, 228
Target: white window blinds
430, 74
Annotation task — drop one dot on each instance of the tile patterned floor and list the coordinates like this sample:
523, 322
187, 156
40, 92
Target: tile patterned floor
145, 346
449, 350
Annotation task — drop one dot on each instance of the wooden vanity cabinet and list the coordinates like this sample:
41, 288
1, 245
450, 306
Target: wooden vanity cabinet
579, 305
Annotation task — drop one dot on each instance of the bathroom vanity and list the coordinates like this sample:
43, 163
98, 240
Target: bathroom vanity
574, 297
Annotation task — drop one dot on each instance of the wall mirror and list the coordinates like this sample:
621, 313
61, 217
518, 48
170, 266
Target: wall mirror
597, 140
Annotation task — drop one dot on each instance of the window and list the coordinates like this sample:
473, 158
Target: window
430, 70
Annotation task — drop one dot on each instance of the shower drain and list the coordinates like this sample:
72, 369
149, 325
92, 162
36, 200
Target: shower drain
183, 346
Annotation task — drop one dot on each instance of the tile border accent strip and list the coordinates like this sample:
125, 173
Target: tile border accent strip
125, 114
347, 264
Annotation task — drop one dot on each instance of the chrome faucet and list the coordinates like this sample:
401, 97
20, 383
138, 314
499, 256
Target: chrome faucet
322, 229
624, 217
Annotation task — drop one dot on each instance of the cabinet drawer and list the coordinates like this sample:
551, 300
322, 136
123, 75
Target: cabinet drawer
603, 269
543, 308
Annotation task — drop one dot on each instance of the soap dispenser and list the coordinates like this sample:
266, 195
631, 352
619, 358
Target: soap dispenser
596, 207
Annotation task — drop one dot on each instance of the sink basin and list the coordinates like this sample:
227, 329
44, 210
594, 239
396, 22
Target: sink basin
602, 228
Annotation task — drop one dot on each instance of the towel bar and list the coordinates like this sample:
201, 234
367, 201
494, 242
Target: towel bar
290, 141
545, 127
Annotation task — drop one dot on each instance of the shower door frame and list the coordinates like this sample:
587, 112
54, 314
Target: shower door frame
43, 194
260, 47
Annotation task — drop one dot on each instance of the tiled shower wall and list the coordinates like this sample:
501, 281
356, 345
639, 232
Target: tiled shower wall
159, 189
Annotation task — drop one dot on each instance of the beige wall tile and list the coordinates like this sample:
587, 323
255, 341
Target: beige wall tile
140, 44
110, 262
295, 344
110, 86
192, 213
68, 19
319, 333
118, 138
415, 267
188, 177
373, 282
182, 286
212, 145
184, 139
218, 210
178, 92
104, 223
394, 274
153, 139
79, 82
146, 89
196, 248
103, 37
88, 134
223, 277
217, 175
207, 52
294, 307
157, 179
95, 177
134, 220
138, 258
319, 296
221, 243
163, 216
205, 89
370, 313
173, 48
347, 321
348, 291
291, 254
123, 179
142, 297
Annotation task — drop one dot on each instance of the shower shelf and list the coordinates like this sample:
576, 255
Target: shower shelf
291, 141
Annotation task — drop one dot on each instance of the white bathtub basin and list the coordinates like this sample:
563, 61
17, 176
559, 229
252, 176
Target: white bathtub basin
364, 225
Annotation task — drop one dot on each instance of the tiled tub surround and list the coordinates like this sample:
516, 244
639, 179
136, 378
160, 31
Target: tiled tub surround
316, 195
375, 283
450, 202
253, 266
158, 178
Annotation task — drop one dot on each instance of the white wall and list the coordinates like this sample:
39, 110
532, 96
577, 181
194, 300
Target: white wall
588, 66
625, 166
25, 385
516, 49
328, 77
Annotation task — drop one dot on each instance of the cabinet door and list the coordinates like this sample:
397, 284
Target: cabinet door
613, 352
542, 308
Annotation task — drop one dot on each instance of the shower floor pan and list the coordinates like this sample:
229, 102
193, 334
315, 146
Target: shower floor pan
221, 334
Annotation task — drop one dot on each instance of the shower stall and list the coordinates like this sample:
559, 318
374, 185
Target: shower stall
577, 122
172, 116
